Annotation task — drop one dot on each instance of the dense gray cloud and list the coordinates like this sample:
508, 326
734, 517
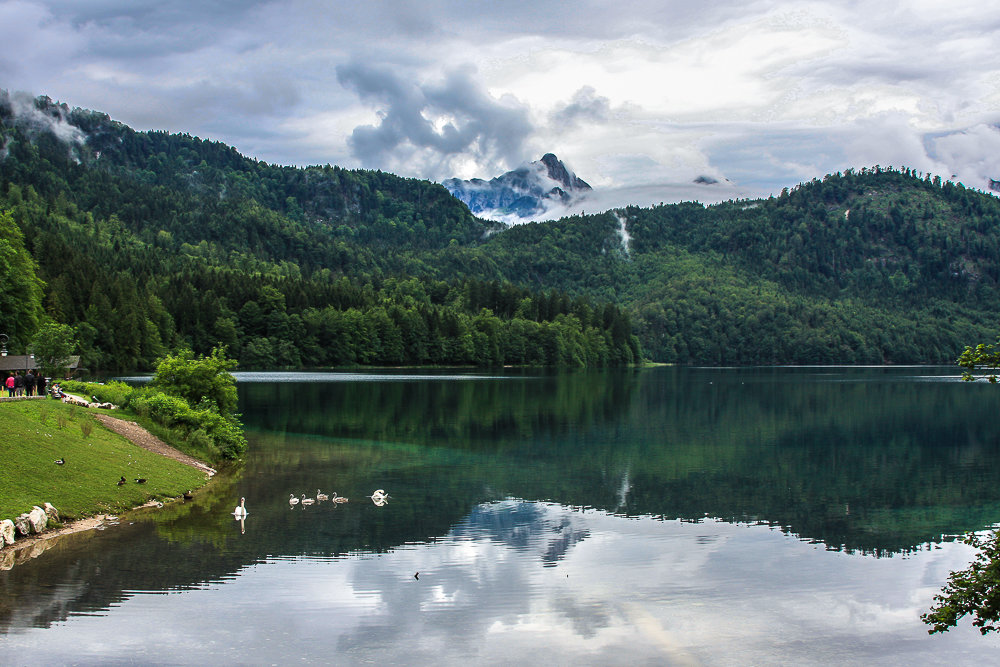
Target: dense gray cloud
433, 121
646, 97
586, 105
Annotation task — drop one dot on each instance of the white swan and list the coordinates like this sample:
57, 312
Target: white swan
338, 499
307, 501
241, 511
380, 497
292, 500
323, 496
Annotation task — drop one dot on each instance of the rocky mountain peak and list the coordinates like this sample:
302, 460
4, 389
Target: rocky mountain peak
523, 193
558, 172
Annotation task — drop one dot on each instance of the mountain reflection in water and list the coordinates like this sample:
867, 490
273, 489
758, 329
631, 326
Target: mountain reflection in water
686, 514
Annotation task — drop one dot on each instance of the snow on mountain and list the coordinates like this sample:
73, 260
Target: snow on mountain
523, 194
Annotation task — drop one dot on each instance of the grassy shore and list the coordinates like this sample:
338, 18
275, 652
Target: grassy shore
35, 433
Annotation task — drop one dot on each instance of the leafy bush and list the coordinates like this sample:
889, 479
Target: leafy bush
197, 424
198, 379
114, 392
163, 409
228, 436
200, 439
201, 428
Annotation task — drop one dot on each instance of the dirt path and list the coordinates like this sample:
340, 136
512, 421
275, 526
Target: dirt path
147, 440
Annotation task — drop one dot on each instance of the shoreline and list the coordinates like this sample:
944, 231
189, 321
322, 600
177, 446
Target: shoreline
38, 543
35, 545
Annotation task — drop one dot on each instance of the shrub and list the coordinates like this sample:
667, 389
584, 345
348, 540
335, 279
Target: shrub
198, 379
163, 409
209, 426
229, 438
224, 433
114, 392
201, 440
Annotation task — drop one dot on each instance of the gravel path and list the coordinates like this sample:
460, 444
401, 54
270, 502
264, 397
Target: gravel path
147, 440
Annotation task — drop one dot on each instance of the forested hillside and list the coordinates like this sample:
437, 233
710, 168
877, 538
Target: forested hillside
873, 266
145, 241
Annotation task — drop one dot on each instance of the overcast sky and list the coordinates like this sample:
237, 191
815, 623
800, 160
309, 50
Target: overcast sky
638, 98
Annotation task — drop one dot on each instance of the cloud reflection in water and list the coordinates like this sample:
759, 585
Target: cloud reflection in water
531, 583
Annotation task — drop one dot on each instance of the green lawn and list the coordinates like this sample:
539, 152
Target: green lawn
33, 434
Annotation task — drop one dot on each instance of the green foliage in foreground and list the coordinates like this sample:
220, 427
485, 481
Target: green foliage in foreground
974, 591
191, 401
979, 360
199, 431
199, 380
38, 432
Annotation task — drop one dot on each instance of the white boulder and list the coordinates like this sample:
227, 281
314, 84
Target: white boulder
22, 525
6, 532
51, 511
38, 519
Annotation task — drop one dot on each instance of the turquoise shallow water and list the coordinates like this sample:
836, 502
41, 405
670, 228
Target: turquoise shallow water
671, 515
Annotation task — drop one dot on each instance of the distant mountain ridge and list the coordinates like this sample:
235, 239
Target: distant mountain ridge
526, 192
146, 240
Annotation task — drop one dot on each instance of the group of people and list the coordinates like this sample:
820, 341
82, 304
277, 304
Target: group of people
26, 384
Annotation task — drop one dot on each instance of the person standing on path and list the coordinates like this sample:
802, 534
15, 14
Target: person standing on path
29, 383
9, 383
18, 384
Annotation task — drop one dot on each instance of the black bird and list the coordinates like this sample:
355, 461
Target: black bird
141, 480
188, 495
60, 461
417, 576
121, 482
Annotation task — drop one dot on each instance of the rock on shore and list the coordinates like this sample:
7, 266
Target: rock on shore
6, 532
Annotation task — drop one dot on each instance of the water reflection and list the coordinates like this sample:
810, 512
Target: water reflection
860, 459
687, 515
532, 583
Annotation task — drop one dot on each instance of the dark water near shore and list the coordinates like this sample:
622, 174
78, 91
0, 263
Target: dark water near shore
661, 516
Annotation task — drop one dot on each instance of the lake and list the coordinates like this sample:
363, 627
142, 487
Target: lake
683, 516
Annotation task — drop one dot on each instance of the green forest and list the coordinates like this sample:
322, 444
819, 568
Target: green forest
147, 242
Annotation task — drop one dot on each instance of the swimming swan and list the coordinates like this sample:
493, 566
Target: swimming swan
241, 511
323, 496
307, 501
380, 497
292, 500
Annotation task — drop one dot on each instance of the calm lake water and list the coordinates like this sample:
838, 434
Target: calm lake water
662, 516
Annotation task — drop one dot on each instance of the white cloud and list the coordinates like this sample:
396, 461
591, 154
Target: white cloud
970, 154
766, 93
